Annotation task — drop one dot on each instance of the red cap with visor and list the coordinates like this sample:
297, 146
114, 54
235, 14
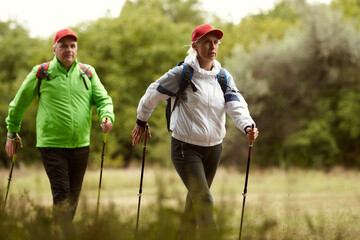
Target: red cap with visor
201, 30
64, 33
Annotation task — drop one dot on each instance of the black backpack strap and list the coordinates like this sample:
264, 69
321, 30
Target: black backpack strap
41, 73
222, 79
186, 77
185, 81
85, 70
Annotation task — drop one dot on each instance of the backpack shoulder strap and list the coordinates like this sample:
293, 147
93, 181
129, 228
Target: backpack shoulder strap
222, 79
85, 70
185, 81
186, 76
41, 73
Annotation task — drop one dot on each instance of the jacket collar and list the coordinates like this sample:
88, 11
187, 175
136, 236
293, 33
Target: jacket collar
194, 63
61, 68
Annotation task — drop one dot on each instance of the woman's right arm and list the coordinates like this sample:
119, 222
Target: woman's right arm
160, 90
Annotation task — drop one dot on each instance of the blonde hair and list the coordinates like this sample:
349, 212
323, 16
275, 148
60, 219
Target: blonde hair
191, 51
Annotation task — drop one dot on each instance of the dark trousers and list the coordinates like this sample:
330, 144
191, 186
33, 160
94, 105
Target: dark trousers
196, 165
65, 168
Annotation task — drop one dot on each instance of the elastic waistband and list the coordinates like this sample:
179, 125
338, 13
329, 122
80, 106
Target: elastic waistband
196, 142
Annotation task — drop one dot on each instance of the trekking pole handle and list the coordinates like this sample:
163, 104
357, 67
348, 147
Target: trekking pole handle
146, 135
16, 146
104, 135
106, 120
251, 143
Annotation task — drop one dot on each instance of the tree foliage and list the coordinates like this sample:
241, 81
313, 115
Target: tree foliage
16, 60
301, 84
133, 50
297, 66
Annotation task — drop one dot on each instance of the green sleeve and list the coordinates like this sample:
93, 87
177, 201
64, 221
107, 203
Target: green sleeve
21, 102
102, 101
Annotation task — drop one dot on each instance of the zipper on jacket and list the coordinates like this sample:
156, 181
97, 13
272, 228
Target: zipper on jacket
69, 85
182, 150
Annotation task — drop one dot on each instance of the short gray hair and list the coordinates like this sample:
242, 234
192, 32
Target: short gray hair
55, 44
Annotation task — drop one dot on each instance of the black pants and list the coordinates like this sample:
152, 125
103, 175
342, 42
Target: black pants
65, 168
196, 166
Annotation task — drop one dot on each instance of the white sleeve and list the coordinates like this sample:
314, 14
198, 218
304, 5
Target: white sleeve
149, 101
160, 90
236, 106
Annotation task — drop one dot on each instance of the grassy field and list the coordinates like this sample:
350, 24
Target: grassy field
293, 204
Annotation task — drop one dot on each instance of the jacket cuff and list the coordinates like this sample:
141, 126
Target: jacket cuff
141, 123
245, 128
11, 135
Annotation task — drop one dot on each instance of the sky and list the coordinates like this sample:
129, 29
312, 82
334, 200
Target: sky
43, 18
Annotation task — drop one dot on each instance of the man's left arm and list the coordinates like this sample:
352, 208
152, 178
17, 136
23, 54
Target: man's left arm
102, 101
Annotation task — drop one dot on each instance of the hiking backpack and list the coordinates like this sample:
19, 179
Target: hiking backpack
185, 81
42, 72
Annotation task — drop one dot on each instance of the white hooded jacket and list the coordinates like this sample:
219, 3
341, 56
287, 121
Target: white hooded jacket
199, 118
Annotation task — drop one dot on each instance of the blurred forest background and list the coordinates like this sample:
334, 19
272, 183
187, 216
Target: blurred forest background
297, 65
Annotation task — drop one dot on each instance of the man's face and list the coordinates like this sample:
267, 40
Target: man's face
66, 51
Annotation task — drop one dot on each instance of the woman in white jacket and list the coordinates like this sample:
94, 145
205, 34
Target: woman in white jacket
197, 124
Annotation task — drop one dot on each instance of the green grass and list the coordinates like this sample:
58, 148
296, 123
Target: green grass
293, 204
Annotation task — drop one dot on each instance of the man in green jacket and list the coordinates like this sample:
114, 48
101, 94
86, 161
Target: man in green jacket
63, 121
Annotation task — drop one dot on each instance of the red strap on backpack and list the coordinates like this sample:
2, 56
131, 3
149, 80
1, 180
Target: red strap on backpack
41, 73
85, 70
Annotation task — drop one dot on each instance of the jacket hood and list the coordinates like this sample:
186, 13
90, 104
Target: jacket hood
194, 63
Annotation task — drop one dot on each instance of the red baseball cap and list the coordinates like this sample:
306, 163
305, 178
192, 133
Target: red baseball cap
63, 33
201, 30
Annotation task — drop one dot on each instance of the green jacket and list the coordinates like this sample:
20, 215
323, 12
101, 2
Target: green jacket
65, 106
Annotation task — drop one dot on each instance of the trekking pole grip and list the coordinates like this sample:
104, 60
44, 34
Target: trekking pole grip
146, 132
16, 147
251, 143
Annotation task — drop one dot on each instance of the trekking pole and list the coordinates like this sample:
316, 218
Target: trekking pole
142, 175
101, 170
10, 174
246, 182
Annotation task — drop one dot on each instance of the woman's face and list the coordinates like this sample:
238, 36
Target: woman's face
207, 47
